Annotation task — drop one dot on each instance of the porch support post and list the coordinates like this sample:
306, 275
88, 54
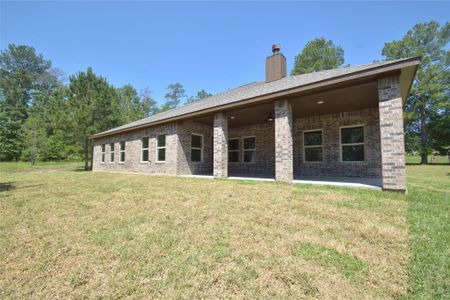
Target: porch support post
391, 133
220, 146
283, 142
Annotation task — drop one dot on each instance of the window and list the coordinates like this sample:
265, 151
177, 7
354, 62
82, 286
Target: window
122, 152
312, 146
352, 143
144, 149
249, 149
111, 152
196, 147
233, 150
103, 152
161, 148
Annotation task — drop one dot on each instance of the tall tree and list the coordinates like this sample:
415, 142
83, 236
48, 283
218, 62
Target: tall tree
93, 103
317, 55
131, 106
148, 102
34, 136
20, 71
202, 94
429, 97
38, 128
174, 96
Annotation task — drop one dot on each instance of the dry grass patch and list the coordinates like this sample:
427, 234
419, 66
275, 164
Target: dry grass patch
76, 234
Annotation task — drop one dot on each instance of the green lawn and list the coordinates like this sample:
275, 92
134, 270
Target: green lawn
70, 234
437, 160
40, 166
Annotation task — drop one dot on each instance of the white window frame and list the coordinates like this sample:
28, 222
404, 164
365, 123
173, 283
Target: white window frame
158, 147
112, 152
238, 151
352, 144
315, 146
196, 148
122, 151
243, 149
103, 153
143, 149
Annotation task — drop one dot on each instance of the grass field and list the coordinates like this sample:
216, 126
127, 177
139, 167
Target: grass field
70, 234
436, 160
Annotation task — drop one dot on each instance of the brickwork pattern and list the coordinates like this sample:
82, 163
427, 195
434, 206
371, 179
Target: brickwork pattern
391, 133
220, 148
283, 142
179, 141
185, 165
133, 161
264, 162
332, 165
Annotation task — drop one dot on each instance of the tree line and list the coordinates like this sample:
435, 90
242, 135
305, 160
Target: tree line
45, 116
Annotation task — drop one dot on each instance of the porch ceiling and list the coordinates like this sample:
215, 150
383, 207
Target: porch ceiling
350, 98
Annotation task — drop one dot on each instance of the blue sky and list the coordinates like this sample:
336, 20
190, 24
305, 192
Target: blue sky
211, 46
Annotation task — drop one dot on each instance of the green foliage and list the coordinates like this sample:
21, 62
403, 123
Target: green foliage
428, 103
10, 142
132, 106
22, 75
317, 55
33, 136
94, 107
173, 96
202, 94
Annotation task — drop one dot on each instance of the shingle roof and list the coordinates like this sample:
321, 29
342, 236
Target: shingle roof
249, 91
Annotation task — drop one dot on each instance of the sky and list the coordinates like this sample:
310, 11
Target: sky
214, 46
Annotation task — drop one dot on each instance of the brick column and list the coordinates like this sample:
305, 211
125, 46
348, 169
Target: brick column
283, 142
392, 136
220, 147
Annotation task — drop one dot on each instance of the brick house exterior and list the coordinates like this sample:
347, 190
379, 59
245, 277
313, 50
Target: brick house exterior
344, 123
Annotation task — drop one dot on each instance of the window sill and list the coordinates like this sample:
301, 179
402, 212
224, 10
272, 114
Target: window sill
160, 162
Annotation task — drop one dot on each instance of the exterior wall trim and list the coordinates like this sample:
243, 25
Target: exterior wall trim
323, 146
364, 143
201, 149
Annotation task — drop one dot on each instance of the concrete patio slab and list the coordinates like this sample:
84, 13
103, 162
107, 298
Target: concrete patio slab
354, 182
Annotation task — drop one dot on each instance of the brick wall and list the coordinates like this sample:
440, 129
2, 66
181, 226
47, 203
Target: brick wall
392, 137
264, 163
179, 141
332, 165
283, 141
133, 151
220, 147
185, 131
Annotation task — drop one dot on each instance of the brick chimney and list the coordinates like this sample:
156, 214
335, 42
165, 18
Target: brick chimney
275, 65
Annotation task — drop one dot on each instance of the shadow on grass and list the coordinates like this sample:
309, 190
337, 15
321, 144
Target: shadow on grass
7, 186
10, 186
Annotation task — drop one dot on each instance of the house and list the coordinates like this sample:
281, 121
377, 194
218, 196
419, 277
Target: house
345, 122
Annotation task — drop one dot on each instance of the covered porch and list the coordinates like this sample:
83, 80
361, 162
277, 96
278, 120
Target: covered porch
299, 138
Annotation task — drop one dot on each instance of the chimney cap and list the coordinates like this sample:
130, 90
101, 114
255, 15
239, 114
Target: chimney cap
276, 48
